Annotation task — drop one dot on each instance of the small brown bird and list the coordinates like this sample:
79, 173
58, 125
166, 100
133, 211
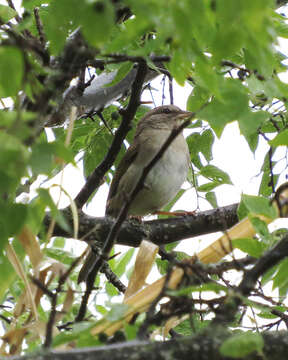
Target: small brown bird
165, 178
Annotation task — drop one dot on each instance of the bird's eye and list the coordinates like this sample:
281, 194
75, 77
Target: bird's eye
166, 111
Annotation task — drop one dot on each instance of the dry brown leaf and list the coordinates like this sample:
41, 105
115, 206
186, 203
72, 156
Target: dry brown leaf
29, 299
143, 264
14, 339
139, 302
31, 246
68, 302
213, 253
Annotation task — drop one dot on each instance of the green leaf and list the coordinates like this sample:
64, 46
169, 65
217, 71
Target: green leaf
95, 152
267, 313
97, 20
111, 290
78, 330
257, 205
60, 255
13, 161
162, 266
117, 312
280, 279
216, 174
260, 226
171, 246
184, 328
197, 98
11, 70
121, 73
249, 124
253, 247
200, 143
227, 106
47, 200
207, 141
6, 13
13, 217
192, 325
280, 139
214, 287
243, 344
179, 66
122, 263
7, 274
211, 198
45, 156
208, 186
131, 331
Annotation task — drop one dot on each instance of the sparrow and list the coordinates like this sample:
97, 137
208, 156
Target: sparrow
165, 178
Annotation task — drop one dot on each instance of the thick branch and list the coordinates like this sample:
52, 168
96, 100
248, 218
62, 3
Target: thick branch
162, 231
201, 347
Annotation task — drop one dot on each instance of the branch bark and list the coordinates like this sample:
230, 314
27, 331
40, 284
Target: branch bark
162, 231
201, 347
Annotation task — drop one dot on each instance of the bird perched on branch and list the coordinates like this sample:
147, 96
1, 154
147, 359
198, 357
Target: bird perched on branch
165, 178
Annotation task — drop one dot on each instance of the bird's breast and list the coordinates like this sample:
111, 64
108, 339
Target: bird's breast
165, 178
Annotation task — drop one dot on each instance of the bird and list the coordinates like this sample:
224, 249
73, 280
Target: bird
165, 178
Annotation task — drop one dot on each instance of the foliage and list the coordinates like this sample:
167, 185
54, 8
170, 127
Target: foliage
226, 51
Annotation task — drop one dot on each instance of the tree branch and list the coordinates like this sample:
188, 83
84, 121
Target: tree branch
162, 231
203, 346
227, 312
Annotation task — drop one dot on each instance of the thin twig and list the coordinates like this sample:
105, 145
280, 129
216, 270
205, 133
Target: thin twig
39, 26
114, 231
96, 177
11, 5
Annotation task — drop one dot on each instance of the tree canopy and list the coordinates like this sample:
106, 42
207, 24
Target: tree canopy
72, 76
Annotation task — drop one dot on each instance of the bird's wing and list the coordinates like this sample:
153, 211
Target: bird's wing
123, 166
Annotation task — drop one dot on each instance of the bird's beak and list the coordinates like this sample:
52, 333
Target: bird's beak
185, 115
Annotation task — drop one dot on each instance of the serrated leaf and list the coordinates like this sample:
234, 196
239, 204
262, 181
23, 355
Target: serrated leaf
249, 124
243, 344
226, 107
197, 98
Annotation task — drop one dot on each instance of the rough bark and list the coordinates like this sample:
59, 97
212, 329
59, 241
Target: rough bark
201, 347
162, 231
